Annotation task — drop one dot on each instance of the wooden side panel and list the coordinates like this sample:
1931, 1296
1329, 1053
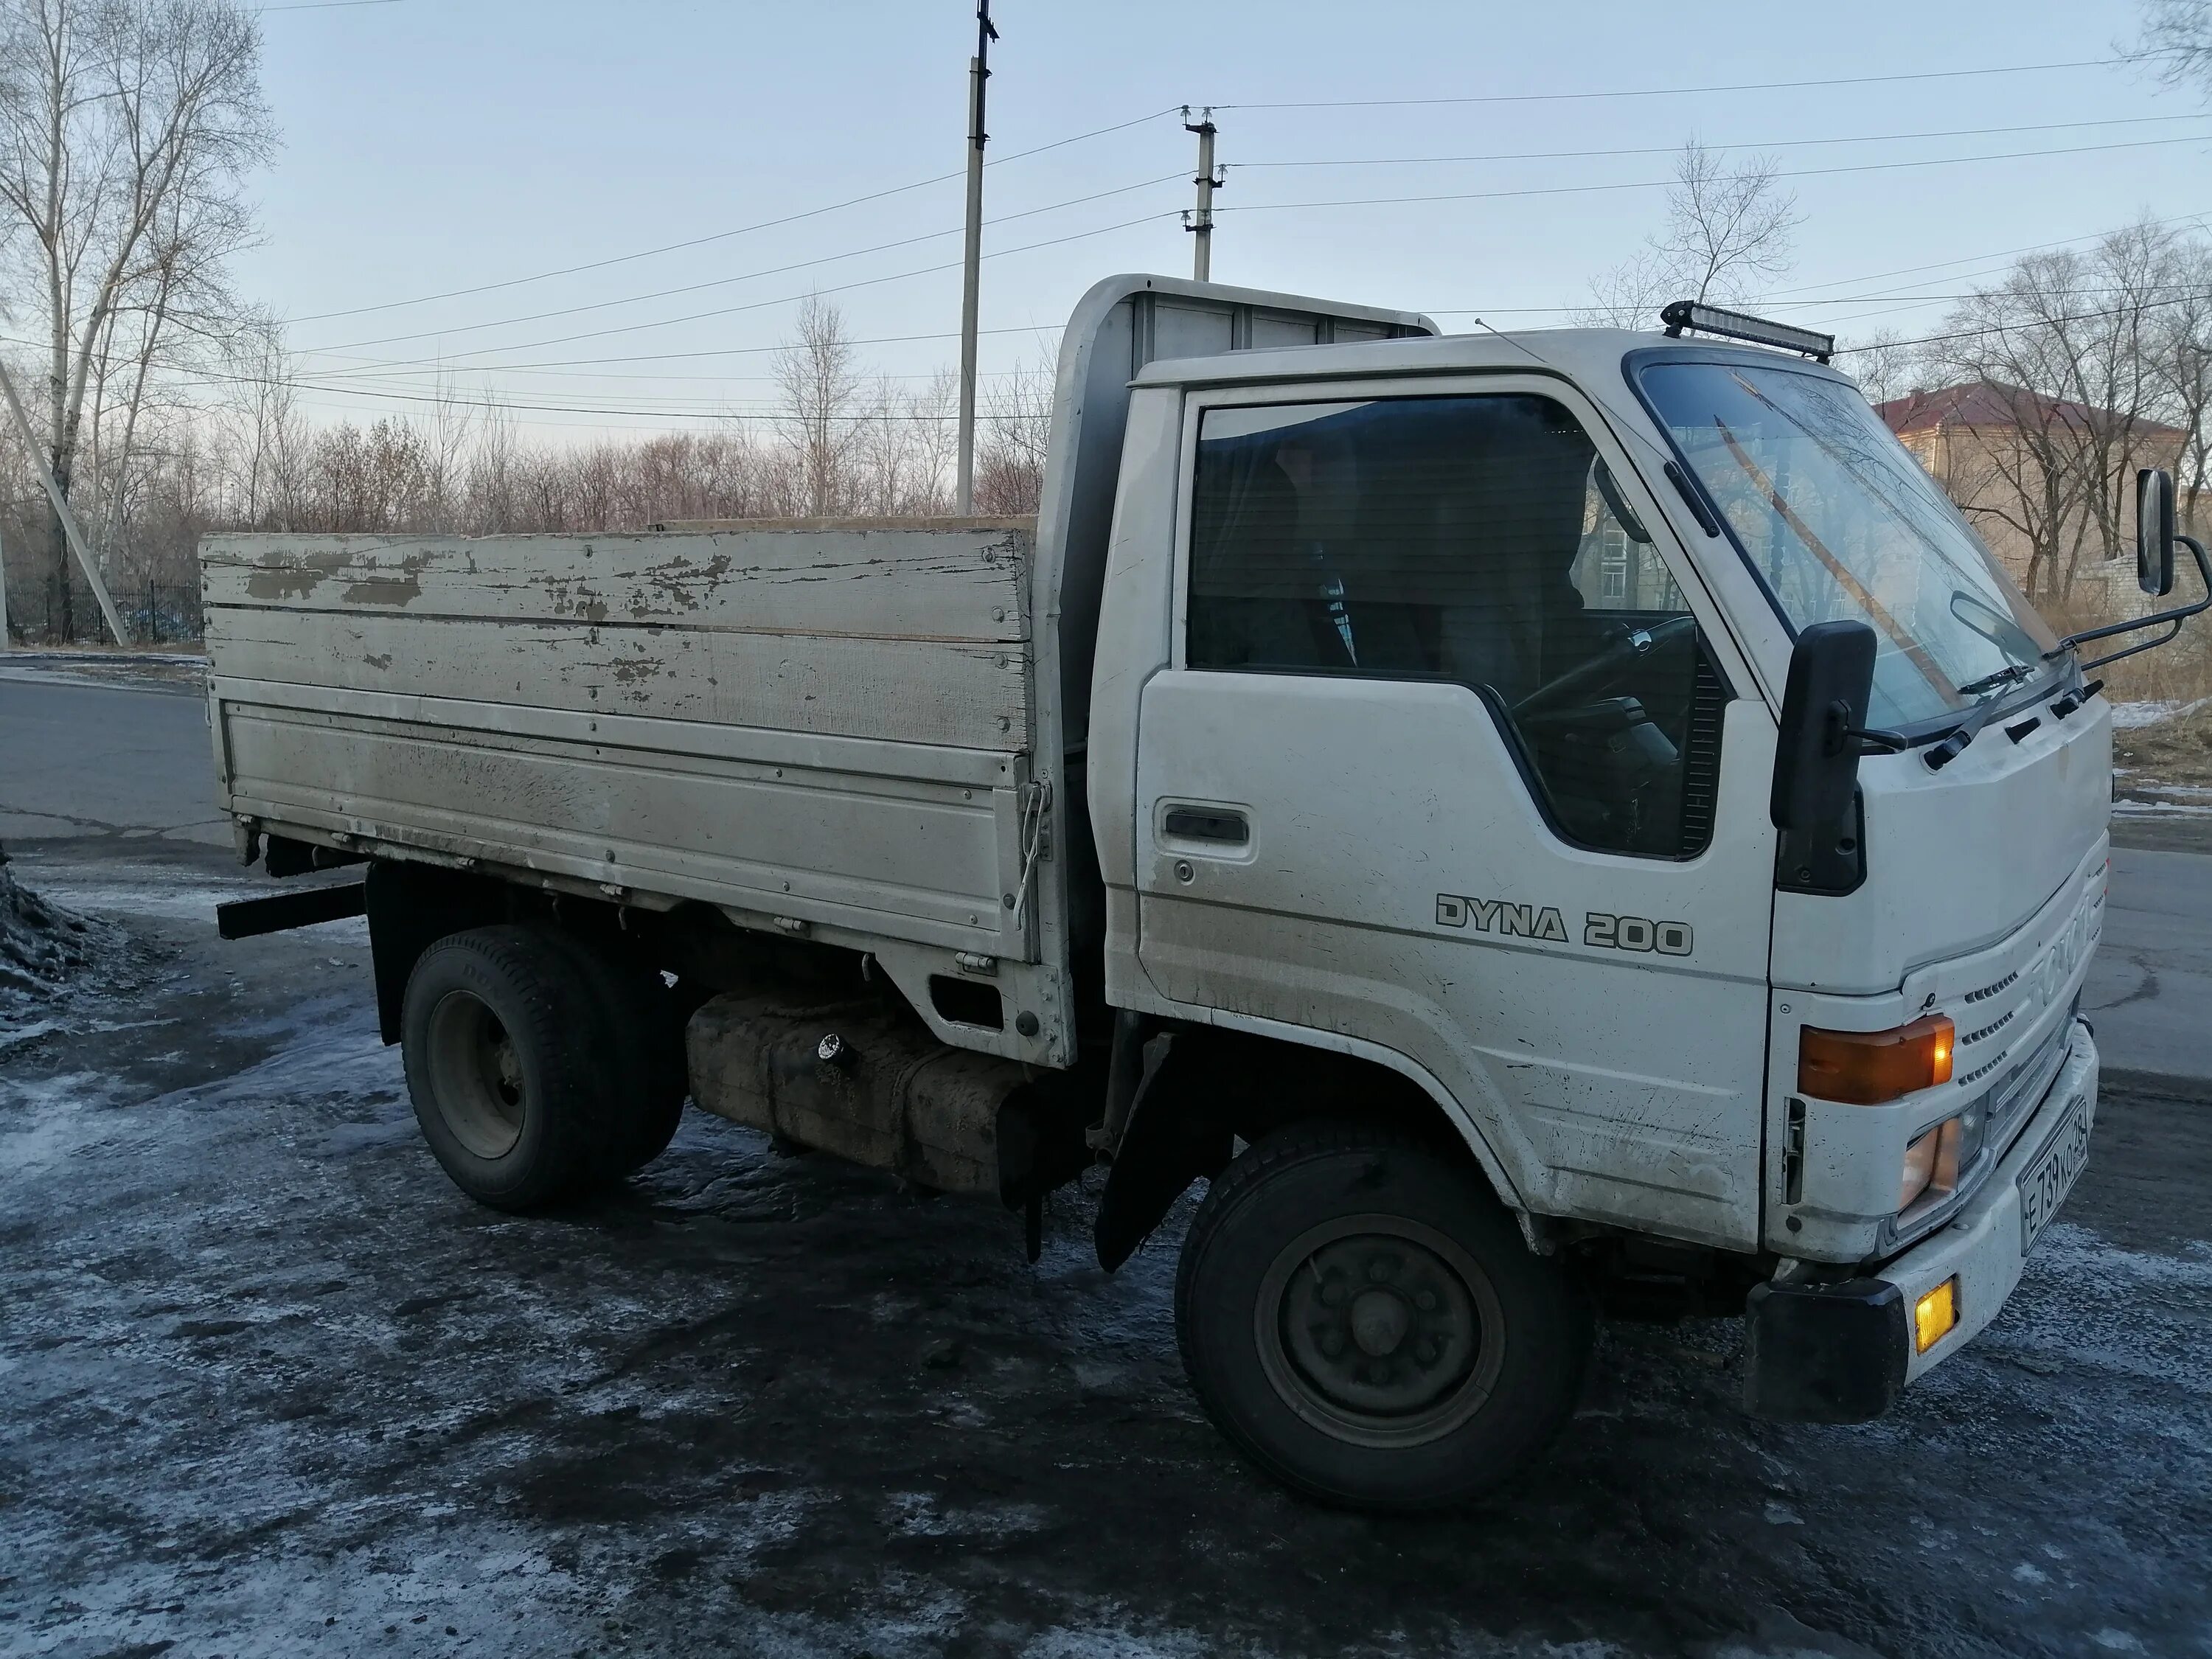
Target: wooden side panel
970, 697
914, 635
921, 584
915, 858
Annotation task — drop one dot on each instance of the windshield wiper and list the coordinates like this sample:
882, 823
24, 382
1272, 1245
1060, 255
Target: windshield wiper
1952, 743
2010, 674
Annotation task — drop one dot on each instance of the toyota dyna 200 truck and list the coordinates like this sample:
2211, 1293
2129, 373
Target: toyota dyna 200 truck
1538, 823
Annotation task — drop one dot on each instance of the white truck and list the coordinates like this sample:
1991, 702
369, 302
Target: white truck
1540, 822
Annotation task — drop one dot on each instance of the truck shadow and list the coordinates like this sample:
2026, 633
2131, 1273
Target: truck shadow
885, 1401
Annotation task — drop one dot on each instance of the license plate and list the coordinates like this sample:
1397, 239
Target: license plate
2046, 1183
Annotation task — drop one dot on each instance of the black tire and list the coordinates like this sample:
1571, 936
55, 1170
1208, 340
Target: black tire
507, 1057
1452, 1366
647, 1080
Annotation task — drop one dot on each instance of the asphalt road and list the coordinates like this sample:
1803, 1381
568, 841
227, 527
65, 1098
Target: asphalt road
272, 1387
80, 756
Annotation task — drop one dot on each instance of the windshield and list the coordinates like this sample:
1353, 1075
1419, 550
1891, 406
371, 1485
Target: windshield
1842, 524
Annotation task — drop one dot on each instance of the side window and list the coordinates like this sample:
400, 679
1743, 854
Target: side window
1474, 539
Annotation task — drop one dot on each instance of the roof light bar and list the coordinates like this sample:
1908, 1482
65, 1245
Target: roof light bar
1738, 325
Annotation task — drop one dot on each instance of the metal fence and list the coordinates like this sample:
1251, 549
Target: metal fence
161, 613
153, 613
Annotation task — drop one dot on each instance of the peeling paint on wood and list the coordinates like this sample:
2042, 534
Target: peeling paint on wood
383, 686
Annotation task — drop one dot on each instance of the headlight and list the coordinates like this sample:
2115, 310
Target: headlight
1932, 1164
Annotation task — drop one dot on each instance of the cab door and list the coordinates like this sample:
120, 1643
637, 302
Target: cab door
1448, 769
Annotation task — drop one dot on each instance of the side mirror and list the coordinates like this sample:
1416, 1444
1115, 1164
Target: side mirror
1824, 706
2155, 532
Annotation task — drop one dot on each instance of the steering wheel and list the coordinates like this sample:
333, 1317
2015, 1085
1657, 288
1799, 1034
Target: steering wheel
1584, 676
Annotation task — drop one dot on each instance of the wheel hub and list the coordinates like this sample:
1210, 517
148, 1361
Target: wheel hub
476, 1076
1379, 1329
1379, 1321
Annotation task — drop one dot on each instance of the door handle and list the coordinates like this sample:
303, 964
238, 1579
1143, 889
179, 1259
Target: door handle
1217, 825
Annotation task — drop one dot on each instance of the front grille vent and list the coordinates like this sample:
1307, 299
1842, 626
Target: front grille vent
1982, 1071
1990, 1029
1989, 991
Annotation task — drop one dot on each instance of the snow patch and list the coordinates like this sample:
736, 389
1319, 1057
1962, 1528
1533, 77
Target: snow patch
44, 944
2131, 716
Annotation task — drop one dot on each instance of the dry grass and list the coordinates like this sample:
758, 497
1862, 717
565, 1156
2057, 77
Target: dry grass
2174, 753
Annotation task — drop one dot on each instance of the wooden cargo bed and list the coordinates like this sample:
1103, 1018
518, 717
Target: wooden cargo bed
823, 727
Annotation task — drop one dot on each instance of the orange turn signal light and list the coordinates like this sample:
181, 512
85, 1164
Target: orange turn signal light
1865, 1068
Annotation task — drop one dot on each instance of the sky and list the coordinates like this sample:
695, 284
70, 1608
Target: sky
1392, 152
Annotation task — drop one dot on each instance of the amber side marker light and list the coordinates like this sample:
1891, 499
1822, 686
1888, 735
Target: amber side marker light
1936, 1316
1865, 1068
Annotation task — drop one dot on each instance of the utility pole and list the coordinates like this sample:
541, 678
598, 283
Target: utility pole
5, 642
1199, 220
979, 71
61, 510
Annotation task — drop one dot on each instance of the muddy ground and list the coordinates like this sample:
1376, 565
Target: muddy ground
272, 1387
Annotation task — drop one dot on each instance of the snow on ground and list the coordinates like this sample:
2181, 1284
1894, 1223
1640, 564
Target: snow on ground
44, 946
275, 1389
2129, 716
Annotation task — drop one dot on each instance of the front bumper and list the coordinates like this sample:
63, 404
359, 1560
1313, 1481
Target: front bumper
1841, 1352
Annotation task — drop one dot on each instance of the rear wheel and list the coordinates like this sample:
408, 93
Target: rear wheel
647, 1077
1362, 1318
506, 1064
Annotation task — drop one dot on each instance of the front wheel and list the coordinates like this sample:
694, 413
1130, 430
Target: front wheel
1362, 1320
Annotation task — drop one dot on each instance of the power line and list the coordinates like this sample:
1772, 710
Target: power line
761, 305
725, 281
2196, 219
458, 401
1663, 184
2001, 328
1776, 296
425, 364
724, 235
439, 366
1680, 91
1553, 190
1671, 150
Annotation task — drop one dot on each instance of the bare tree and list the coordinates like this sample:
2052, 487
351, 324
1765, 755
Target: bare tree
2180, 362
2176, 36
494, 466
126, 129
819, 384
1728, 228
1886, 365
935, 436
2064, 354
1016, 433
901, 458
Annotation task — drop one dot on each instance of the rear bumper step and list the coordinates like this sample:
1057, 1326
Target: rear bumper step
281, 912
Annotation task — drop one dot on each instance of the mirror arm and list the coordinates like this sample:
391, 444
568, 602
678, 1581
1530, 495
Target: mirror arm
1844, 738
2133, 650
2177, 615
1878, 742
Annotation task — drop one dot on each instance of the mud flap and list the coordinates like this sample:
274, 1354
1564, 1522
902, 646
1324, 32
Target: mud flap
1171, 1142
1818, 1354
410, 909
